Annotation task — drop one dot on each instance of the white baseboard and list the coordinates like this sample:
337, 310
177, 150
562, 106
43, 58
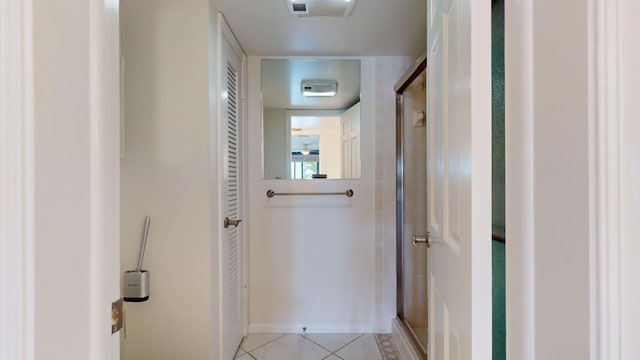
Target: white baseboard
311, 328
403, 342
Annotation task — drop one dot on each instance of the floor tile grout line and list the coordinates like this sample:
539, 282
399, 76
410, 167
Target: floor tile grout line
330, 355
305, 338
334, 353
267, 343
236, 356
324, 348
347, 344
340, 348
329, 350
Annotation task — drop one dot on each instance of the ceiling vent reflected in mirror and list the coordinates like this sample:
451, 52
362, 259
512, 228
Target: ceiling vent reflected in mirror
314, 8
319, 87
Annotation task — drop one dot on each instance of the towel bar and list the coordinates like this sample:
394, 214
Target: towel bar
348, 193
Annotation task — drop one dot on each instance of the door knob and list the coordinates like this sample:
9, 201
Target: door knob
228, 222
421, 239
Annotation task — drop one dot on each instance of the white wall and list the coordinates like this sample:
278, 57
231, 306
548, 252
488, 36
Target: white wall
330, 159
166, 174
561, 171
275, 129
330, 148
547, 160
327, 262
310, 257
75, 184
388, 71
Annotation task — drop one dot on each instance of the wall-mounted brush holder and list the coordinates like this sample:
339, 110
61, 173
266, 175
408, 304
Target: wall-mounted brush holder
136, 285
136, 282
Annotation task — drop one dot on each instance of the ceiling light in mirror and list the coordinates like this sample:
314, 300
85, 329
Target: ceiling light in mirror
319, 87
305, 150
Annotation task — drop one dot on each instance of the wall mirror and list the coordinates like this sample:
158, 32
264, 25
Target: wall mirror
311, 119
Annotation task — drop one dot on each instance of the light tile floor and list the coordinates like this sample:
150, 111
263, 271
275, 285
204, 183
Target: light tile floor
317, 347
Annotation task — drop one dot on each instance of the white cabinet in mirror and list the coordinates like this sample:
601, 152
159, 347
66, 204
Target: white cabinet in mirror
311, 118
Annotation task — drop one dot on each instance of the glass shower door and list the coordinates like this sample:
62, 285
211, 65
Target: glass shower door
412, 206
415, 210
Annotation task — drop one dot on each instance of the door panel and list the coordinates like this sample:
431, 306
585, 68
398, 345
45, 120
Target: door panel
350, 125
435, 133
459, 179
232, 195
454, 127
233, 268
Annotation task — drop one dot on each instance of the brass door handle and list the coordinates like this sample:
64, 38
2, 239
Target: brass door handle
228, 222
419, 239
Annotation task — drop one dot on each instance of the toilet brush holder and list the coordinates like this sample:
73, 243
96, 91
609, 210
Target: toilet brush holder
136, 285
136, 282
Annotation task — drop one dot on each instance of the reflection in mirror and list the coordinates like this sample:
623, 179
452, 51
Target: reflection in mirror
311, 119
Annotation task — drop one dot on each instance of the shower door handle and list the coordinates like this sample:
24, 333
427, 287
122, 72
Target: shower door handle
422, 239
228, 222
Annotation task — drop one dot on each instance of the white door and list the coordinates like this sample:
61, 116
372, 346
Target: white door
459, 178
59, 179
233, 254
350, 125
629, 191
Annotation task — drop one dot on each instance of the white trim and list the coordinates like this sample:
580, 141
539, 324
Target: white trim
480, 182
604, 179
225, 35
605, 241
16, 180
217, 163
519, 162
244, 135
228, 34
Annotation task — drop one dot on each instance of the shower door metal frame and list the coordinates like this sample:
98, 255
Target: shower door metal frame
409, 76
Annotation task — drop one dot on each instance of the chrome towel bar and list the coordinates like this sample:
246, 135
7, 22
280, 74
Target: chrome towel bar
348, 193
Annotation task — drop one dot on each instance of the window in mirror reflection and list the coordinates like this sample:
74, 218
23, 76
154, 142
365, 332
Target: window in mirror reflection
305, 155
307, 136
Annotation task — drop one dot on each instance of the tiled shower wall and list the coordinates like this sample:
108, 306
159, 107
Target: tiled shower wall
388, 72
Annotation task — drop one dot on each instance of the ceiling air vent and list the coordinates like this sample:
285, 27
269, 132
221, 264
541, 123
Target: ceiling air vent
319, 87
312, 8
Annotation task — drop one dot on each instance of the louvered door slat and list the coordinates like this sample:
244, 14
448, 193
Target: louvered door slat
232, 193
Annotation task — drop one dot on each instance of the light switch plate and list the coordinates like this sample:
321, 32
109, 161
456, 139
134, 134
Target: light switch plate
116, 316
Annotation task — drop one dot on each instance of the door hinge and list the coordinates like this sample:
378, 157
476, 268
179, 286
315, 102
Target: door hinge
116, 316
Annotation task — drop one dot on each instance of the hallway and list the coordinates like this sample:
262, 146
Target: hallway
89, 147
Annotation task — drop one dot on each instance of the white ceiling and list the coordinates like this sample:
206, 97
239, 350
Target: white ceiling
281, 81
298, 142
375, 27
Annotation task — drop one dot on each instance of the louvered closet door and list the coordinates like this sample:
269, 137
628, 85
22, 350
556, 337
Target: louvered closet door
233, 277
